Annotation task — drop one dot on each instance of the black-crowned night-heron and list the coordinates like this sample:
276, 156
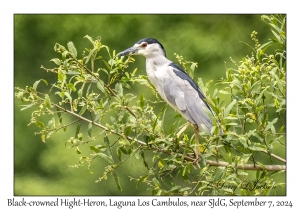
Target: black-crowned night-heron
174, 85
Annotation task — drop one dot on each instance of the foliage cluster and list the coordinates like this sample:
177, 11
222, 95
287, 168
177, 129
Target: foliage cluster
100, 99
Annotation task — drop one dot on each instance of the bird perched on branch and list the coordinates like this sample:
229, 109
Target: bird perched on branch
174, 85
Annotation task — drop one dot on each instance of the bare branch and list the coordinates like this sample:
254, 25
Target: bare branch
249, 166
274, 156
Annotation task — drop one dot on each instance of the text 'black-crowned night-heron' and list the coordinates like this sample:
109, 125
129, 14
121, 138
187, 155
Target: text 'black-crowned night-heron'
174, 85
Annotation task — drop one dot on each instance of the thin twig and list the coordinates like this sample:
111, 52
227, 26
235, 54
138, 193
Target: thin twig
63, 126
194, 188
274, 156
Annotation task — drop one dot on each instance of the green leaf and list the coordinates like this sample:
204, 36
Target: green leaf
175, 188
106, 105
257, 147
123, 150
243, 141
121, 115
82, 110
142, 179
100, 86
61, 77
245, 158
162, 111
89, 38
205, 129
229, 107
261, 165
271, 124
184, 189
65, 64
72, 49
119, 154
202, 162
263, 174
144, 160
78, 150
156, 182
142, 101
90, 126
77, 130
107, 65
64, 55
163, 140
43, 137
231, 124
218, 174
262, 49
117, 181
56, 61
127, 131
184, 171
98, 57
79, 92
90, 54
193, 66
108, 147
56, 47
156, 192
224, 92
94, 149
208, 84
40, 124
59, 115
71, 87
129, 151
231, 118
281, 129
49, 134
261, 95
37, 82
68, 96
112, 62
106, 157
201, 85
47, 101
51, 123
27, 106
119, 90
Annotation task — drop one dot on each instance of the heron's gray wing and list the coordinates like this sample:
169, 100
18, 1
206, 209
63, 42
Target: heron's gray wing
174, 95
182, 96
183, 75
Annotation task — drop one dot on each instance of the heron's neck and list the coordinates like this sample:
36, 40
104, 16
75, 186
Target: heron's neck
154, 62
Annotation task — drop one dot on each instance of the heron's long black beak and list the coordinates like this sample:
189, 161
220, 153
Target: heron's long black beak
131, 50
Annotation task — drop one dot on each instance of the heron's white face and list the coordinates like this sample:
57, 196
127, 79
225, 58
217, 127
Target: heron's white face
148, 50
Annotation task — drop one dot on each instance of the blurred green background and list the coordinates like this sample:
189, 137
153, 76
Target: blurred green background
43, 169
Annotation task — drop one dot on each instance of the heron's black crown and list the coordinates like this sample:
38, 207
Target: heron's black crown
152, 41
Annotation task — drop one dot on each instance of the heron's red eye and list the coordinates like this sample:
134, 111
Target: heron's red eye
144, 45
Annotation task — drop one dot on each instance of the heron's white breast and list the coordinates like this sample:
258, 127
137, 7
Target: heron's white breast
157, 75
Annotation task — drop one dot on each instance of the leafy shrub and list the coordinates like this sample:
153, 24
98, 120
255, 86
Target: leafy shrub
253, 121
